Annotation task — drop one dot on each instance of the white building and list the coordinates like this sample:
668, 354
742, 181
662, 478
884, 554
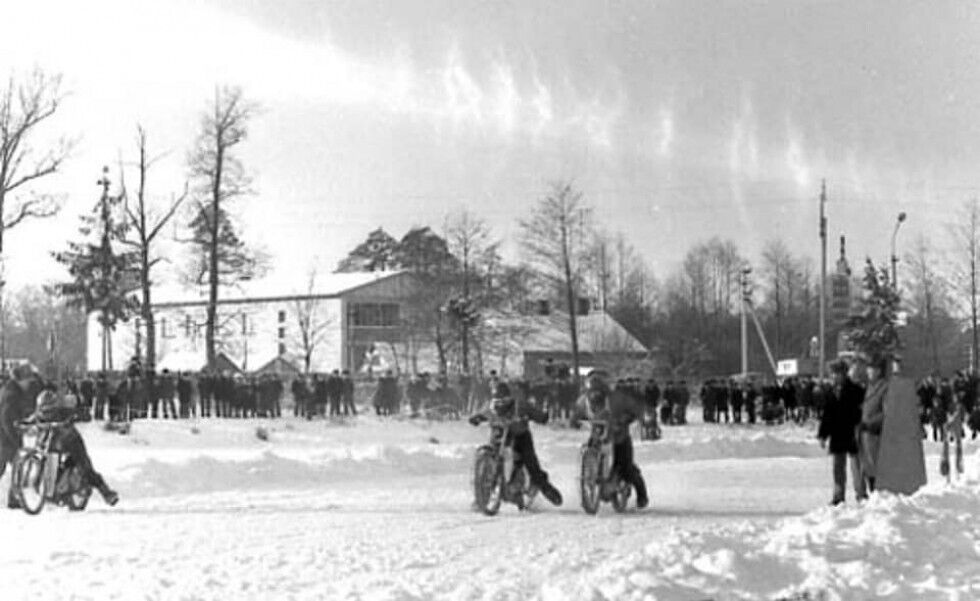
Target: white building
351, 313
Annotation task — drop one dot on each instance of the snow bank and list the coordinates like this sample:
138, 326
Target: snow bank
270, 470
926, 546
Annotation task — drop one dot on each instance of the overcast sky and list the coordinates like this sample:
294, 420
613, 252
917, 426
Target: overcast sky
677, 119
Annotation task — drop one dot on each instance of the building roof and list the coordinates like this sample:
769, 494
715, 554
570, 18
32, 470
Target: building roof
326, 286
597, 332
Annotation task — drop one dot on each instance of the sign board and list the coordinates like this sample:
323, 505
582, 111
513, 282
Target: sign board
787, 367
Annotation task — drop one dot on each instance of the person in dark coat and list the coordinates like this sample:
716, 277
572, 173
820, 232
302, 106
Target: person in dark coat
184, 395
87, 391
335, 391
16, 403
347, 393
205, 392
738, 399
300, 397
101, 396
838, 426
504, 406
165, 388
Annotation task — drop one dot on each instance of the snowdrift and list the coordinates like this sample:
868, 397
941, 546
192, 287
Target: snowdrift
922, 547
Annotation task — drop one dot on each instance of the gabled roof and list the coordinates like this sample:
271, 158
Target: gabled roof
326, 286
597, 332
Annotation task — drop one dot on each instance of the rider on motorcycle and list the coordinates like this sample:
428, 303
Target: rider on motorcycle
619, 410
504, 406
69, 441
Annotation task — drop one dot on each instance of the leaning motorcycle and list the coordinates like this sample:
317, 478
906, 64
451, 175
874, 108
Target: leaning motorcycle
498, 473
599, 481
42, 474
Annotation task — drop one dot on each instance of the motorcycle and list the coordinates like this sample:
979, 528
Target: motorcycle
498, 473
43, 474
599, 481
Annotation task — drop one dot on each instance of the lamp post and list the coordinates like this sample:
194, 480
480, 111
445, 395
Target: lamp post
898, 224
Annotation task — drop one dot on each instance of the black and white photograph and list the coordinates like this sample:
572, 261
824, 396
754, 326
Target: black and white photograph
488, 300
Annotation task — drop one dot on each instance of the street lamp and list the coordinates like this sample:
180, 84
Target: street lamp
898, 223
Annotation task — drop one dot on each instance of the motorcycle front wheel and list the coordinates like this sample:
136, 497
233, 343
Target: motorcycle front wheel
488, 483
29, 483
589, 483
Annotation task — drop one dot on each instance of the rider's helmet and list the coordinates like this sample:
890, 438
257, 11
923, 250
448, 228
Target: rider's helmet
596, 390
502, 402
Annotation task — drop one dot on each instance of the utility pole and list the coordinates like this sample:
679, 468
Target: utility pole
104, 214
745, 332
823, 279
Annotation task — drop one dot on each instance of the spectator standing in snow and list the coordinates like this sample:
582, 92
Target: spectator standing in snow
838, 425
872, 419
347, 393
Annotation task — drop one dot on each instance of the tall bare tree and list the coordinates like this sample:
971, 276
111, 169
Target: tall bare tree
143, 224
26, 104
552, 240
471, 241
221, 179
927, 296
966, 233
312, 326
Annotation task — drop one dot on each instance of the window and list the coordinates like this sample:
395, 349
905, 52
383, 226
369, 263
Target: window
282, 317
282, 333
373, 315
188, 326
282, 348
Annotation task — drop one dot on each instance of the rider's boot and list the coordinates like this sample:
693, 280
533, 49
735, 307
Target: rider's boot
110, 496
551, 493
12, 501
641, 493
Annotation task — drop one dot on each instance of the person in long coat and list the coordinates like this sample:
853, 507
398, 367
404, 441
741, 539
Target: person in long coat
872, 419
838, 426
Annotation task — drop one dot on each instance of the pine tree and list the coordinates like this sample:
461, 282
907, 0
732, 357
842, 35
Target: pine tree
103, 279
873, 331
374, 254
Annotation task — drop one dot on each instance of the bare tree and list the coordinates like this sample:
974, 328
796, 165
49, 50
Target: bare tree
222, 178
927, 296
552, 240
143, 224
777, 263
470, 240
966, 232
312, 327
25, 105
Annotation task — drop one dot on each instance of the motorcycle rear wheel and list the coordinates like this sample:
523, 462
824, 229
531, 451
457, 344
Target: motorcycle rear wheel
621, 496
589, 483
30, 485
79, 492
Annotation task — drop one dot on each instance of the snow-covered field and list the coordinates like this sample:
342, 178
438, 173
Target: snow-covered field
373, 509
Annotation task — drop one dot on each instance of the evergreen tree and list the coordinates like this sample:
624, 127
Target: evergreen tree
872, 331
102, 279
374, 254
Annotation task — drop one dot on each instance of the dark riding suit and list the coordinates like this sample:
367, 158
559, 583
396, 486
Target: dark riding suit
69, 441
517, 415
618, 411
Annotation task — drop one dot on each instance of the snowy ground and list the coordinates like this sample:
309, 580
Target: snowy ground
381, 510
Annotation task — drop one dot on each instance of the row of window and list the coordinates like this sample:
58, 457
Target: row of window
358, 314
383, 315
